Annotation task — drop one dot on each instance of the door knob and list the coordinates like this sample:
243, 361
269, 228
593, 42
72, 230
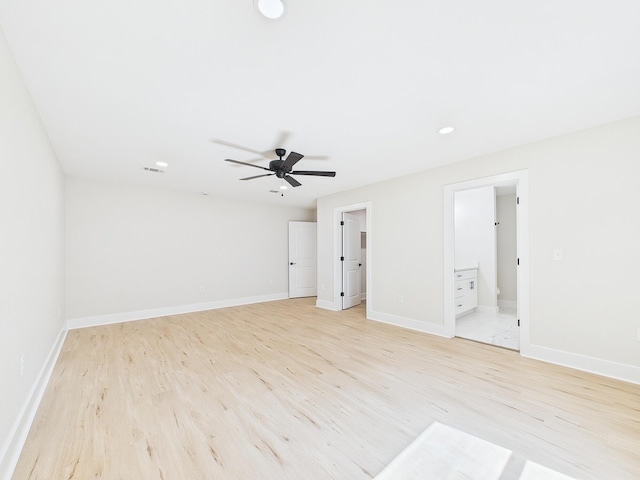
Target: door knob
292, 263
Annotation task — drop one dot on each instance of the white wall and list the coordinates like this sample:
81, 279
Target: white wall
475, 239
583, 199
131, 250
31, 252
506, 247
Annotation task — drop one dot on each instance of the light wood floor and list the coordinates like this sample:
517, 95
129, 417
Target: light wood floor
284, 390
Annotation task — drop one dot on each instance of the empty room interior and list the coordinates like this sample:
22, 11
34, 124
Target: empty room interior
327, 240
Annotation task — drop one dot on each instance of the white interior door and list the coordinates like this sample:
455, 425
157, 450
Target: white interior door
350, 260
302, 259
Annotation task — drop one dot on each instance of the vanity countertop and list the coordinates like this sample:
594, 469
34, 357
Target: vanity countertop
467, 267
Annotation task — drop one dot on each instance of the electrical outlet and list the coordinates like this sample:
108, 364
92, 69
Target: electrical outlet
270, 282
558, 254
21, 365
201, 289
400, 298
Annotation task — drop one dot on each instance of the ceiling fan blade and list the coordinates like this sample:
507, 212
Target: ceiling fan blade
316, 157
281, 141
252, 161
239, 147
245, 163
310, 172
292, 181
258, 176
291, 160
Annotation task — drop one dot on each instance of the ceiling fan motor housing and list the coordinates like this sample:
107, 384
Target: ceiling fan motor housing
276, 166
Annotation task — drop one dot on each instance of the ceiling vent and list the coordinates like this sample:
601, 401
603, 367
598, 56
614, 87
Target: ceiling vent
153, 169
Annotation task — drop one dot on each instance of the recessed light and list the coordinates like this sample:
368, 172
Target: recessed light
162, 164
272, 9
445, 130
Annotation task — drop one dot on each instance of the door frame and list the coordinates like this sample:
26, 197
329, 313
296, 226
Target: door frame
521, 179
337, 249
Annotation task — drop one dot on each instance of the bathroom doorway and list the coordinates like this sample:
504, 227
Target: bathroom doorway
485, 240
508, 309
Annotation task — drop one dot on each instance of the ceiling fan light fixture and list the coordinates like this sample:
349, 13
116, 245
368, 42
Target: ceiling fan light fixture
162, 164
271, 9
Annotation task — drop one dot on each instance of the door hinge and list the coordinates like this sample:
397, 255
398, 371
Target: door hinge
342, 259
342, 294
518, 322
341, 222
518, 200
518, 261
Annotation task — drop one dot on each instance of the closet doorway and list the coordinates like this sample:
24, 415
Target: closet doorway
352, 245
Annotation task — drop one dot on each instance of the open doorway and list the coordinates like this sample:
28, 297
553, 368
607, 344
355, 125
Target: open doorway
353, 253
485, 270
353, 226
473, 275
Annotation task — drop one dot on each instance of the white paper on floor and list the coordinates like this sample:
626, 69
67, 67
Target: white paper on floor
442, 452
534, 471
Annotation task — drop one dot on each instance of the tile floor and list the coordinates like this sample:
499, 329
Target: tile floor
501, 329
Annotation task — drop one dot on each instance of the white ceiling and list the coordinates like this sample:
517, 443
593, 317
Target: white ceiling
121, 84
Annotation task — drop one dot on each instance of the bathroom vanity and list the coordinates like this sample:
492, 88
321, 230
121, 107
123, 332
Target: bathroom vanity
466, 289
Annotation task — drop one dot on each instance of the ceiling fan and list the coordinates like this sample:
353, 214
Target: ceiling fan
284, 168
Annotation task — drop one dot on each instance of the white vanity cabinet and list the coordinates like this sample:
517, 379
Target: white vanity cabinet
466, 290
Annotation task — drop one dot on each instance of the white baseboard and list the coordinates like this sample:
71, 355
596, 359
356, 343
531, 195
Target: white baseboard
607, 368
164, 311
17, 437
410, 323
487, 309
507, 304
326, 305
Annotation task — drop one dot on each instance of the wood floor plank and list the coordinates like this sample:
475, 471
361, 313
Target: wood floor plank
284, 390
